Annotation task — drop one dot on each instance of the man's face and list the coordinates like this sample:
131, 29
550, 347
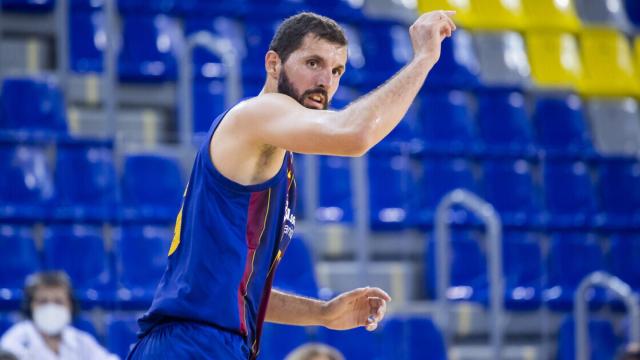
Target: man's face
51, 294
311, 74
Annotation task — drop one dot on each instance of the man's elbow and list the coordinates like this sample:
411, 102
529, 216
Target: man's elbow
357, 145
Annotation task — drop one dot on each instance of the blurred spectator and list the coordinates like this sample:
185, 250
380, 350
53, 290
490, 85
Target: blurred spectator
632, 352
49, 306
5, 355
315, 351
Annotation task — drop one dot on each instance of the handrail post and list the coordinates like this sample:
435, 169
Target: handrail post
580, 313
233, 81
493, 234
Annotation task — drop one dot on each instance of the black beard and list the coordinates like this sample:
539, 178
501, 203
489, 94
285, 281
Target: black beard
285, 87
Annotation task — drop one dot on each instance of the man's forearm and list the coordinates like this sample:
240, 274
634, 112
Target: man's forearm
377, 113
294, 310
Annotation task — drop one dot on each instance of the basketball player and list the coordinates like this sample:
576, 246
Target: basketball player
237, 214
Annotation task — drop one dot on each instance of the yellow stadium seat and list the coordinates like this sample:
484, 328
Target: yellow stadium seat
551, 14
481, 14
555, 59
637, 56
608, 64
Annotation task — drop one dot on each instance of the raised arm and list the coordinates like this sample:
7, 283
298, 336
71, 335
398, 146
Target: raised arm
278, 120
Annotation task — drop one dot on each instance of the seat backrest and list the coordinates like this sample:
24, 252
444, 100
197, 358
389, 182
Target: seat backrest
86, 41
441, 176
573, 256
121, 334
610, 13
411, 337
555, 59
296, 271
503, 59
603, 342
619, 186
152, 180
141, 255
446, 119
560, 124
623, 258
458, 67
19, 256
514, 175
551, 15
27, 176
390, 185
616, 126
568, 187
334, 197
503, 120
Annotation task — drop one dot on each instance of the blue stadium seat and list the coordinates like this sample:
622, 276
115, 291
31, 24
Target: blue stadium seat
504, 124
468, 264
619, 188
26, 184
121, 334
6, 321
569, 193
35, 6
335, 203
87, 39
296, 272
633, 12
258, 34
623, 258
387, 47
79, 250
208, 102
411, 338
339, 10
139, 7
19, 259
149, 49
509, 187
355, 74
141, 258
439, 177
357, 343
561, 126
458, 67
83, 322
152, 188
447, 126
279, 340
33, 104
86, 185
603, 342
572, 256
522, 267
208, 8
84, 5
390, 186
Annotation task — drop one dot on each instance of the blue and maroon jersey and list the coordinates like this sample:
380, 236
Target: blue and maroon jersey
228, 241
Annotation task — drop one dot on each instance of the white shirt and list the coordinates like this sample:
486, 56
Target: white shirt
24, 341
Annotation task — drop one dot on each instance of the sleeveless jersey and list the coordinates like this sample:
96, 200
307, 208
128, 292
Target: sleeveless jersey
228, 241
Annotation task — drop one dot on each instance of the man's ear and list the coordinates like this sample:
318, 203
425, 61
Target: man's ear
272, 64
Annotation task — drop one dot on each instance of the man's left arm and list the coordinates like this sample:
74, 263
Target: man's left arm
359, 307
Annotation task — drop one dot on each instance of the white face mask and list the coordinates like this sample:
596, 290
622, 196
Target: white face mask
51, 318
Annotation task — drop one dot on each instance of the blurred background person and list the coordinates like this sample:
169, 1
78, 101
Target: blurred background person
315, 351
47, 334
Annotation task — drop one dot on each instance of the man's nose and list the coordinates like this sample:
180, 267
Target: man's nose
324, 80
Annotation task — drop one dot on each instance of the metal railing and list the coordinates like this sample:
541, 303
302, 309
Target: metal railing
617, 286
493, 235
109, 72
233, 80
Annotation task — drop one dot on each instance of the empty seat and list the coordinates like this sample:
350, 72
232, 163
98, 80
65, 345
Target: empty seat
258, 33
36, 6
390, 185
79, 250
296, 272
555, 59
86, 186
26, 184
149, 49
504, 123
633, 11
569, 193
447, 126
602, 343
623, 255
572, 256
468, 269
6, 322
208, 9
32, 104
485, 14
152, 187
121, 334
551, 15
279, 340
87, 40
335, 203
340, 10
84, 5
523, 271
603, 13
439, 177
83, 322
615, 124
19, 259
387, 47
208, 102
411, 337
519, 205
357, 343
561, 127
138, 7
355, 73
141, 258
458, 67
503, 59
608, 64
619, 190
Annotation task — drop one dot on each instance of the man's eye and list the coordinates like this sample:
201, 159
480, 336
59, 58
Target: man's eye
313, 63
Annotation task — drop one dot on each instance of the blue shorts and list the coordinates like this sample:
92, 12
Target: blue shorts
189, 340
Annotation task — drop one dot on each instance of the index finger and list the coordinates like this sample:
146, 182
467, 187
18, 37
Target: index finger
377, 292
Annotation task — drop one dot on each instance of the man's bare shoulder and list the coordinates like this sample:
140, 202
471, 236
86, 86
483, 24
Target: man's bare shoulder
264, 105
